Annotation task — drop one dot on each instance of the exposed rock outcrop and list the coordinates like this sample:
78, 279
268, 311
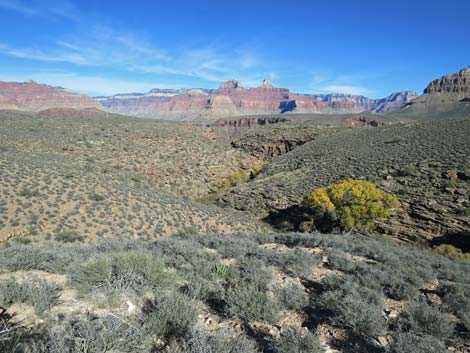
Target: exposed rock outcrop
362, 121
32, 96
231, 99
447, 93
249, 121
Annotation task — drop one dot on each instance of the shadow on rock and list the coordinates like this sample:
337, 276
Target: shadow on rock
298, 218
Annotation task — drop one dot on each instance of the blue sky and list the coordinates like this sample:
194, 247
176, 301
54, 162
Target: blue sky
362, 47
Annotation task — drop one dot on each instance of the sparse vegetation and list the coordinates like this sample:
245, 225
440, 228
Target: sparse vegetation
103, 248
146, 294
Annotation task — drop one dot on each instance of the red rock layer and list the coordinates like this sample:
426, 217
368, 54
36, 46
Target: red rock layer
32, 96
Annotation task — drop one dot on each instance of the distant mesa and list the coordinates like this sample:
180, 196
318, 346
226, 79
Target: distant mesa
232, 99
232, 84
449, 93
267, 83
445, 94
32, 96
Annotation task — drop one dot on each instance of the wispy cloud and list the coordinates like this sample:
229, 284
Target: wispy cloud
92, 48
348, 89
131, 53
91, 84
324, 82
63, 9
18, 6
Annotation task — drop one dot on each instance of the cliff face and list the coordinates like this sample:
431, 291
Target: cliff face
394, 101
447, 93
232, 99
457, 83
32, 96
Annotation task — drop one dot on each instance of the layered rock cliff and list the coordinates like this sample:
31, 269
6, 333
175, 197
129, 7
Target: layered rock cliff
232, 99
32, 96
448, 93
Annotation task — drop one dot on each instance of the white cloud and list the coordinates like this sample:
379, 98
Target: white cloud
89, 84
326, 82
39, 55
103, 48
347, 89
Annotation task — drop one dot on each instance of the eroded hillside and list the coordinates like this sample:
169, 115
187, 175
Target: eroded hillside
111, 176
426, 164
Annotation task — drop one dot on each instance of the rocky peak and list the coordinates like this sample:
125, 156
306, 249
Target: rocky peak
267, 83
452, 83
232, 84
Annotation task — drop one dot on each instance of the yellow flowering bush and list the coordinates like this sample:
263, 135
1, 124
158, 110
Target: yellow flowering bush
357, 203
232, 179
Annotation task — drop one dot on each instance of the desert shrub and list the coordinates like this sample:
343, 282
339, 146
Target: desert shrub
249, 302
121, 271
11, 334
28, 193
294, 340
220, 270
68, 236
171, 314
186, 232
357, 203
91, 334
406, 170
422, 318
407, 342
464, 315
39, 293
247, 295
293, 297
354, 307
96, 197
451, 251
230, 246
395, 282
51, 257
233, 179
222, 341
457, 297
258, 168
296, 261
193, 263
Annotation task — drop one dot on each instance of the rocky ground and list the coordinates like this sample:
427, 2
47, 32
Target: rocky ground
232, 293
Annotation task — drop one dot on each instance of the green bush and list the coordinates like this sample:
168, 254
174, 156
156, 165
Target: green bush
121, 271
40, 294
96, 197
422, 318
353, 306
293, 297
247, 294
222, 341
457, 297
410, 343
172, 314
220, 270
451, 251
68, 236
250, 303
294, 340
11, 334
91, 334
